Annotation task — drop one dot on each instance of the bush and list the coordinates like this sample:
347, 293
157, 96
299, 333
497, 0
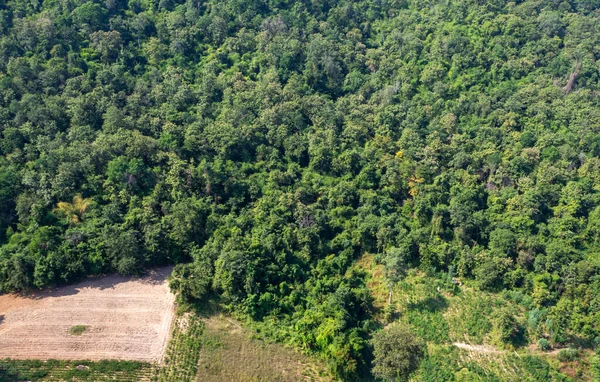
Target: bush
543, 344
568, 355
77, 330
506, 327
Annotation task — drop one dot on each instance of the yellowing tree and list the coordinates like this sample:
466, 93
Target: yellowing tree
74, 211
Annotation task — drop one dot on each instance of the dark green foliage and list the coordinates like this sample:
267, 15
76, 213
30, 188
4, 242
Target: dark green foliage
264, 145
109, 370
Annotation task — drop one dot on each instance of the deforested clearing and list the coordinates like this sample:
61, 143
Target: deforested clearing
124, 318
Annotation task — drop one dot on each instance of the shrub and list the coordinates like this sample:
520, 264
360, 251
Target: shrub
567, 355
543, 344
77, 330
506, 326
389, 313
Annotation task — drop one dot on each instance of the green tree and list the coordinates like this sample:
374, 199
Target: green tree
398, 353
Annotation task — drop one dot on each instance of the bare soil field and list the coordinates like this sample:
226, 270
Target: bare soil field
124, 318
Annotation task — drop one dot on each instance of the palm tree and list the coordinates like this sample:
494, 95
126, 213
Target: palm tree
74, 211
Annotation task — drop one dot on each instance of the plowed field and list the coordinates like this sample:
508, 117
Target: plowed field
124, 318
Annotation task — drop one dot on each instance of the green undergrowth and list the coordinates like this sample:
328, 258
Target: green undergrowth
442, 313
446, 314
448, 363
75, 371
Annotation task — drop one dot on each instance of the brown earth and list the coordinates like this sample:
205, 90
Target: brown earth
125, 318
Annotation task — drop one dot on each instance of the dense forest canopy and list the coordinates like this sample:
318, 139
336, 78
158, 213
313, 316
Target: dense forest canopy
264, 145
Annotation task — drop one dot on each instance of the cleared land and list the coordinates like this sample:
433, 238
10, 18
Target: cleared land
124, 319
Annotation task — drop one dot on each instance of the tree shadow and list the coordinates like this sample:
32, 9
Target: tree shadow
1, 319
156, 276
430, 304
152, 277
520, 339
208, 306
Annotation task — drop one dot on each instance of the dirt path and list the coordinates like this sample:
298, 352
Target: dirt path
125, 318
477, 348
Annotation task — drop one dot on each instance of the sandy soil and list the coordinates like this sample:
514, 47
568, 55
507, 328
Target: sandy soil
126, 318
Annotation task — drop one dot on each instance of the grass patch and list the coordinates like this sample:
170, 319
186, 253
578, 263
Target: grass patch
216, 348
375, 281
77, 330
231, 353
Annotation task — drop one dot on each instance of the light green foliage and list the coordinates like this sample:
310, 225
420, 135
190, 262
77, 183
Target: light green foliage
463, 328
595, 367
450, 363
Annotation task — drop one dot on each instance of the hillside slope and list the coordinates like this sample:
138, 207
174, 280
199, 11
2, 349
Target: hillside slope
264, 146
